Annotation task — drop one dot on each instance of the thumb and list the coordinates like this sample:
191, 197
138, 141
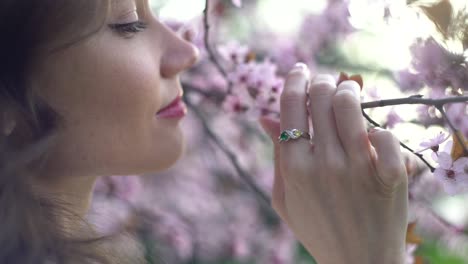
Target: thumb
389, 162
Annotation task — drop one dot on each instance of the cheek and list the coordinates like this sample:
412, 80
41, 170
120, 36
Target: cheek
110, 86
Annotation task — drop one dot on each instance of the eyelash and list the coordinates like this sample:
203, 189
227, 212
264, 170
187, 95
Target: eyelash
129, 28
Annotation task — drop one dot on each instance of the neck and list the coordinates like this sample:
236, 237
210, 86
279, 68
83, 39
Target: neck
74, 194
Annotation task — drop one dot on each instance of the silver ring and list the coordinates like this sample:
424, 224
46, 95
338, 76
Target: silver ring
289, 134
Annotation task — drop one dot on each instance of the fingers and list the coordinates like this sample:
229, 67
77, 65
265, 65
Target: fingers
389, 163
321, 94
349, 121
294, 110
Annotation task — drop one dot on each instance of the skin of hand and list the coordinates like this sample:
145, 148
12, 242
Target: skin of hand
345, 195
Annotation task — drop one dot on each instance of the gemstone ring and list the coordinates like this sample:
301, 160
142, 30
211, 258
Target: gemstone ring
288, 134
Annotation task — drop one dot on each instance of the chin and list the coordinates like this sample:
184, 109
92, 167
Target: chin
173, 152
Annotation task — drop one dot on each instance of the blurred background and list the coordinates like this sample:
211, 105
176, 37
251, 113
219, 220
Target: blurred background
213, 206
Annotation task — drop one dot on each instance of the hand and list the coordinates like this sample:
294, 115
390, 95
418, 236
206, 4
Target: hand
345, 196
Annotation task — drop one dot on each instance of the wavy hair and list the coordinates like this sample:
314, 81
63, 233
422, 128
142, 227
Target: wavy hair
30, 229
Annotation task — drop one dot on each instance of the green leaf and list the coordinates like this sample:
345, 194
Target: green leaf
434, 253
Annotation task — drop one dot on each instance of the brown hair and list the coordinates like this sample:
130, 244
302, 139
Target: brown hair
31, 30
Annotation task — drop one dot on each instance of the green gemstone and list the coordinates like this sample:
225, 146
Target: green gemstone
284, 136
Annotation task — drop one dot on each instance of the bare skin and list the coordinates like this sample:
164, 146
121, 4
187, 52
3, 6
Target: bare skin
345, 195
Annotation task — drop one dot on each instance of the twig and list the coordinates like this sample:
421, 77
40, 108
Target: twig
211, 54
420, 156
437, 103
415, 100
232, 157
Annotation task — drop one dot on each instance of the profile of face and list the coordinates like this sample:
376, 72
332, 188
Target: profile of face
109, 89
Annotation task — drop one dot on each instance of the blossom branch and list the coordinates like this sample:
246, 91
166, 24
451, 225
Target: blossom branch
415, 100
232, 157
211, 55
420, 156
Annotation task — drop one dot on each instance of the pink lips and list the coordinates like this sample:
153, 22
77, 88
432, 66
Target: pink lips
176, 109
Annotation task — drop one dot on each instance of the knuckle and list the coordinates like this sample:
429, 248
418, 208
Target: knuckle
393, 175
387, 135
321, 89
345, 101
292, 97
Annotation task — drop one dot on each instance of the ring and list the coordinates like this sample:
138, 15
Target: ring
288, 134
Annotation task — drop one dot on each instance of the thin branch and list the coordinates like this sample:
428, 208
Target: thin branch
232, 157
415, 100
420, 156
211, 55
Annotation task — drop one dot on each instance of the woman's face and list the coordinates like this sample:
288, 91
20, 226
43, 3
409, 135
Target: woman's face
109, 90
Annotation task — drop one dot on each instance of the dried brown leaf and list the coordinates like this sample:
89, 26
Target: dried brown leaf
457, 147
441, 14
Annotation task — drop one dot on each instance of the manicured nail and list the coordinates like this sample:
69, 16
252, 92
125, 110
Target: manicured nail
375, 129
300, 66
350, 87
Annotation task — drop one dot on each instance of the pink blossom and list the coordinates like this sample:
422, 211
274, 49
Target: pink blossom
438, 67
458, 115
234, 104
408, 81
233, 52
452, 174
241, 74
393, 118
434, 142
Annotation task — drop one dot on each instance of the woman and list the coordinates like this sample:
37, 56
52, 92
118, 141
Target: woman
83, 83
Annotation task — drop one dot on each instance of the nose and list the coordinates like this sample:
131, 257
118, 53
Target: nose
178, 56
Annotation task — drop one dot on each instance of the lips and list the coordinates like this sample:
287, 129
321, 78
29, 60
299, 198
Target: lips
175, 109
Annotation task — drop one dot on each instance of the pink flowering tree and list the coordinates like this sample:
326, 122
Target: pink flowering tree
214, 206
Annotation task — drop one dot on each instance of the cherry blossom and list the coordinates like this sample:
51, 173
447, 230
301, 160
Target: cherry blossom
452, 174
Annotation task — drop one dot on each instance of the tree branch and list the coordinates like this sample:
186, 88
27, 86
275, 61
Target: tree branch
420, 156
211, 55
415, 100
232, 157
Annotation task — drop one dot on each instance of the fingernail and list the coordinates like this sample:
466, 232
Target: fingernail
350, 87
300, 66
375, 129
